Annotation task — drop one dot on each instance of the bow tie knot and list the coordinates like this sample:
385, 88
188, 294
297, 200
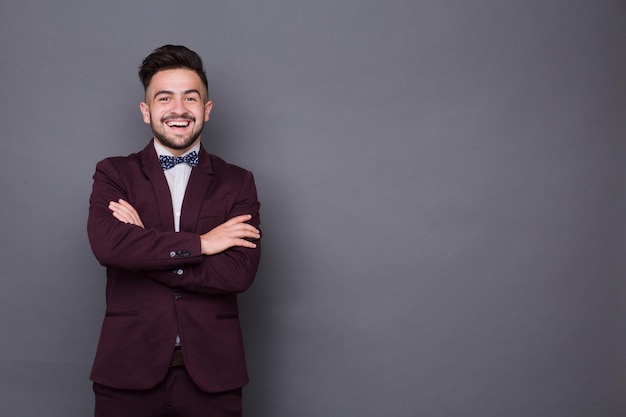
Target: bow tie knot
168, 162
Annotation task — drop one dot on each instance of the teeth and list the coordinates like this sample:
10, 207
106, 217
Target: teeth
178, 124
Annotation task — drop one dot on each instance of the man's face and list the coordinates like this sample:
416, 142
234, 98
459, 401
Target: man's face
176, 108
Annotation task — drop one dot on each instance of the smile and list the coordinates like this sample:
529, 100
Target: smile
176, 123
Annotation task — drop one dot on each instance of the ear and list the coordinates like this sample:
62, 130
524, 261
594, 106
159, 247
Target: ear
145, 112
207, 110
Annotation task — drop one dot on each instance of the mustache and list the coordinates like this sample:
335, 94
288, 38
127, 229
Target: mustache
173, 116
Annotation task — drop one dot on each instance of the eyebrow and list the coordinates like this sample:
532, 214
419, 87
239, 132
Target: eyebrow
186, 92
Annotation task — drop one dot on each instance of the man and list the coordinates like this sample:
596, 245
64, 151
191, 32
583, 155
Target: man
177, 231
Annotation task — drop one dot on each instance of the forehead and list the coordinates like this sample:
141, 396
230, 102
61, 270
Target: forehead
175, 80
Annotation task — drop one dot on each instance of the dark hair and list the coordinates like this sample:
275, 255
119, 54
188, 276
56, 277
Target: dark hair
171, 57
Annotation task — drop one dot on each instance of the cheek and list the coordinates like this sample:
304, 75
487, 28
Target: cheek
155, 117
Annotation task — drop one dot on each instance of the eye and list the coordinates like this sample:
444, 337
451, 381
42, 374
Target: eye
163, 99
191, 99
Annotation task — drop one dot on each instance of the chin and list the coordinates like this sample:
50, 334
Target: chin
176, 143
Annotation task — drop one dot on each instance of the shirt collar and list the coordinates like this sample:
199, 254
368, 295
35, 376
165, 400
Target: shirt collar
162, 150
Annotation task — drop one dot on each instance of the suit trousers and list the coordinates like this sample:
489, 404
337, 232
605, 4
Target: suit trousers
175, 396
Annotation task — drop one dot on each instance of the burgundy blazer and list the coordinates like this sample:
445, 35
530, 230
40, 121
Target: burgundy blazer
158, 282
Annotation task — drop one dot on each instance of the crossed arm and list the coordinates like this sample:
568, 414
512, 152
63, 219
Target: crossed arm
228, 234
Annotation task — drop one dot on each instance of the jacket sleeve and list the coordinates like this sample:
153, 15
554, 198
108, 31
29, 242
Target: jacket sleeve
123, 246
231, 271
170, 258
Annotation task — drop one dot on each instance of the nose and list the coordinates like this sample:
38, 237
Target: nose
179, 106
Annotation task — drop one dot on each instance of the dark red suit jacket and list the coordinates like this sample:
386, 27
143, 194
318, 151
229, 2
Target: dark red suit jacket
159, 284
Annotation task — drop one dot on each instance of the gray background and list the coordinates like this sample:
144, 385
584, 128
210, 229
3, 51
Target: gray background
442, 187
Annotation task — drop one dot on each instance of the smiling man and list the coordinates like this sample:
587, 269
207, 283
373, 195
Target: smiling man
177, 230
176, 108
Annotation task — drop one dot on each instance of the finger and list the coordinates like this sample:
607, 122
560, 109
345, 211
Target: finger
128, 208
126, 214
240, 226
126, 204
246, 234
115, 207
121, 217
242, 230
120, 210
245, 243
238, 219
252, 233
243, 227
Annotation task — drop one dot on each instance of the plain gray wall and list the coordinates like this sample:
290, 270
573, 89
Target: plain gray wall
442, 188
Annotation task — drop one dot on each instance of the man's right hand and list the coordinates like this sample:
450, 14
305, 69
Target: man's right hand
231, 233
125, 212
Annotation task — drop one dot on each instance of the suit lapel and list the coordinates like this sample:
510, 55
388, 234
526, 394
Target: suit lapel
197, 188
153, 170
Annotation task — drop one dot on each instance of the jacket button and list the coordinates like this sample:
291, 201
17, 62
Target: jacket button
172, 254
177, 295
179, 271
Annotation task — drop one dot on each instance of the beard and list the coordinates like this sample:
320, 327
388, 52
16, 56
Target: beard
174, 141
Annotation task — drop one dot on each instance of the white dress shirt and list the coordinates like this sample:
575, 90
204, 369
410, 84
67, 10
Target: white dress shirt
177, 179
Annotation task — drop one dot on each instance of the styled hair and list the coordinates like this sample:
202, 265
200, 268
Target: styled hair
171, 57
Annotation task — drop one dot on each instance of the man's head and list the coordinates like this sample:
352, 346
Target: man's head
171, 57
176, 101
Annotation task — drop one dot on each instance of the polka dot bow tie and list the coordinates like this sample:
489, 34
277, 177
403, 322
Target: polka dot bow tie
168, 162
